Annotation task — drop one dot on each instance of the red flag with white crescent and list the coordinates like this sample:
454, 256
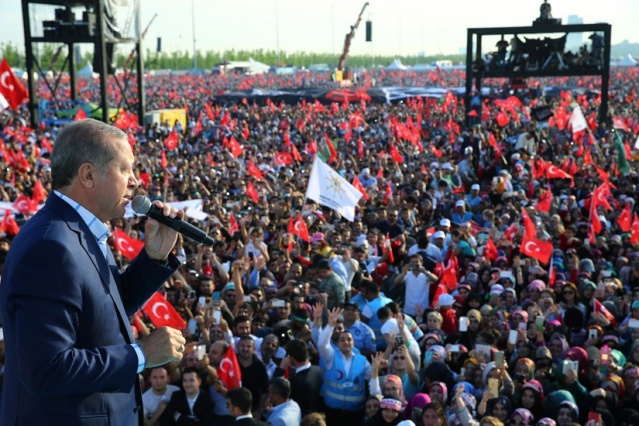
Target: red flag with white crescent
251, 192
229, 370
162, 313
300, 229
12, 92
358, 185
625, 219
129, 247
537, 249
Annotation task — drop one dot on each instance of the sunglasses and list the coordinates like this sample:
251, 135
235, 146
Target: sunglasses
399, 357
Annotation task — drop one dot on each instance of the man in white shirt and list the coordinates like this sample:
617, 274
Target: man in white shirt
416, 280
158, 396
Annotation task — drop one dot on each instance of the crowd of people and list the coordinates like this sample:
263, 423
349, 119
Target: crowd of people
429, 308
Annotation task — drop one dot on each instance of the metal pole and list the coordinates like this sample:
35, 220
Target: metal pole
100, 46
140, 68
277, 32
32, 106
333, 27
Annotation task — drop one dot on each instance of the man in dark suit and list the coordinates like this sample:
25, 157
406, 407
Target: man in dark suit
190, 406
70, 357
306, 379
240, 403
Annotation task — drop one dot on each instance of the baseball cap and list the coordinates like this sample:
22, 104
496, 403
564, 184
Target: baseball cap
460, 203
447, 166
439, 234
446, 300
474, 187
366, 171
444, 222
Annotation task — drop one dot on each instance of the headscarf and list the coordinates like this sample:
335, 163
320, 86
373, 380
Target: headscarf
417, 401
574, 410
579, 354
439, 372
525, 415
535, 386
443, 387
564, 346
397, 382
501, 399
554, 399
530, 364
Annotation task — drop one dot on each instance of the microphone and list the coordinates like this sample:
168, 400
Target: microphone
142, 205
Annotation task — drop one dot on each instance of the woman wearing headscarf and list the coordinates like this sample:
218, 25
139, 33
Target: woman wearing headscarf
567, 413
499, 407
521, 417
434, 414
558, 346
438, 372
553, 402
389, 413
413, 410
532, 398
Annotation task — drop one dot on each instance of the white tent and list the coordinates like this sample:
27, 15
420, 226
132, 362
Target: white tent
87, 72
628, 61
396, 65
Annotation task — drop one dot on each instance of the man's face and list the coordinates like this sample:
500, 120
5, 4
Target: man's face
245, 349
229, 297
351, 313
346, 343
243, 328
295, 271
216, 354
191, 383
269, 345
113, 190
159, 379
392, 216
206, 288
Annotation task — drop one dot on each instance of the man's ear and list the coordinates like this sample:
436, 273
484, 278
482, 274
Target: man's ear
86, 175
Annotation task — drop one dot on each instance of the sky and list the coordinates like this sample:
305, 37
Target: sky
400, 27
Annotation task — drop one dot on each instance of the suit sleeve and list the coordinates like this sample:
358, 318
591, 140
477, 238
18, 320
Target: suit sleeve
46, 305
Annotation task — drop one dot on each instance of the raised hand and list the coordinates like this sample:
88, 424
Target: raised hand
334, 315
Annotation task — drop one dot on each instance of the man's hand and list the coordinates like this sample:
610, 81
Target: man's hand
334, 315
162, 346
159, 239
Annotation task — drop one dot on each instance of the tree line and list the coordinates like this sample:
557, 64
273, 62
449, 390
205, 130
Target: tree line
183, 60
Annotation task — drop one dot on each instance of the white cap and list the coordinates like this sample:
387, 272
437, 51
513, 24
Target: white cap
496, 289
406, 423
460, 203
447, 166
446, 300
475, 187
444, 222
366, 171
434, 165
439, 234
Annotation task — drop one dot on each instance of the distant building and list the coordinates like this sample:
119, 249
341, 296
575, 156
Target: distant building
574, 40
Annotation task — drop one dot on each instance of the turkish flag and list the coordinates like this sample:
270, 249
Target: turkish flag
449, 273
296, 153
441, 289
436, 151
229, 370
634, 232
245, 133
358, 185
490, 251
163, 161
9, 225
300, 229
510, 232
252, 170
599, 307
171, 141
545, 201
39, 193
12, 92
387, 249
360, 148
235, 147
123, 122
80, 115
233, 225
283, 159
599, 197
395, 155
529, 227
554, 172
594, 220
625, 219
24, 205
388, 195
162, 313
251, 192
537, 249
209, 113
129, 247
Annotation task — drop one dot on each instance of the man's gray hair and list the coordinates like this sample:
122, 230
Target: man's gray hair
79, 142
282, 387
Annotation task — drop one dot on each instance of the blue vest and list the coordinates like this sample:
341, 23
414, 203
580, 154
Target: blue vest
374, 323
343, 392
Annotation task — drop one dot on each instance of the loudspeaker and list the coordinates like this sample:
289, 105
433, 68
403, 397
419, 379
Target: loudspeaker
369, 31
158, 48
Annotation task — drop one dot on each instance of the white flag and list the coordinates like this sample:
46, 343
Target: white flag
329, 189
577, 120
637, 143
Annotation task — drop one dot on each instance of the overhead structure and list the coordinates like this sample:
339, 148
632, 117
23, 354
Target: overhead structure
97, 27
518, 55
349, 38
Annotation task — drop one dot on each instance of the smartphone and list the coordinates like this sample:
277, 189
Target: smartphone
201, 351
592, 334
399, 341
633, 323
539, 322
192, 326
604, 355
278, 303
568, 365
523, 326
606, 274
246, 298
192, 295
454, 348
201, 301
493, 386
216, 298
499, 359
217, 316
512, 337
486, 350
463, 323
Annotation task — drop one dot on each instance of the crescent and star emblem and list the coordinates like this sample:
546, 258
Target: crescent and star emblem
155, 308
125, 245
224, 361
340, 374
531, 243
3, 81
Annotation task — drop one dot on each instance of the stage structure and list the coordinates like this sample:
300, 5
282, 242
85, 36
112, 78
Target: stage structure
98, 26
520, 55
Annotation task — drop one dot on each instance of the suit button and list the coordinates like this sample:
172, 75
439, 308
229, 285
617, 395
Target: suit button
137, 409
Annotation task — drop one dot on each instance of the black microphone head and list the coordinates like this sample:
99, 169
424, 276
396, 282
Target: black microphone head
141, 204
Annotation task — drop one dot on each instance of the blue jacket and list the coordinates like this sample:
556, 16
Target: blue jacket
342, 392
